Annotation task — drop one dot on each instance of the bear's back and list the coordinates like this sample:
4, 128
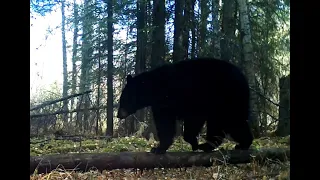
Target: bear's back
196, 74
196, 81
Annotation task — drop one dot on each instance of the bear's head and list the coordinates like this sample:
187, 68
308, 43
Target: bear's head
128, 99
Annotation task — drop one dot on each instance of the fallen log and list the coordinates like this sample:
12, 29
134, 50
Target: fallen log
142, 160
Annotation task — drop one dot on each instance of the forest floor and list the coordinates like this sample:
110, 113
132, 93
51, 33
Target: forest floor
267, 171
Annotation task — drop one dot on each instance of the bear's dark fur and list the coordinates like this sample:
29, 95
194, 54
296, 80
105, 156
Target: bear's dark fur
196, 91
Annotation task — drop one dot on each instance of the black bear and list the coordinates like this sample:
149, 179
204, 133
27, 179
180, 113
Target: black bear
196, 91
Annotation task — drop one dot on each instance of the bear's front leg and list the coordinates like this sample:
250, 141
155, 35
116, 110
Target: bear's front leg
165, 126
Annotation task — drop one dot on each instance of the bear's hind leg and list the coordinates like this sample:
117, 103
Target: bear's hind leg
215, 136
212, 143
241, 133
191, 131
165, 124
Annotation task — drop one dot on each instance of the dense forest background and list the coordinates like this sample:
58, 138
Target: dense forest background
254, 35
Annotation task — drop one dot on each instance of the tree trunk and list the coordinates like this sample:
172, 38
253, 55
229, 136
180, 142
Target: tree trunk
149, 33
283, 128
158, 38
178, 44
228, 29
177, 38
74, 53
141, 160
193, 29
248, 63
85, 65
158, 41
203, 27
186, 28
64, 63
110, 70
197, 28
141, 37
216, 29
140, 54
99, 83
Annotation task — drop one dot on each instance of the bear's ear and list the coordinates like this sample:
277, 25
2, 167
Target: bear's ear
129, 78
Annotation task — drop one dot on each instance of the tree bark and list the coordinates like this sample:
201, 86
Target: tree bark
64, 62
283, 128
204, 8
216, 29
141, 160
248, 63
193, 29
177, 38
158, 34
99, 84
110, 70
140, 65
87, 52
74, 52
158, 51
228, 29
186, 28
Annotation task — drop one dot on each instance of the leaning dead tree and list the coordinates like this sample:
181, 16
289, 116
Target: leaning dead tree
58, 100
145, 160
46, 117
43, 117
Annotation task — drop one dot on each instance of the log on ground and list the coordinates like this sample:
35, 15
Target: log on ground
142, 160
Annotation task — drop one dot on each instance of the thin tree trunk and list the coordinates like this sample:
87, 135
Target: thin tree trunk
110, 70
228, 29
177, 38
197, 28
158, 38
193, 30
140, 54
74, 53
158, 41
85, 65
186, 28
178, 52
203, 27
248, 62
216, 29
64, 64
99, 86
149, 33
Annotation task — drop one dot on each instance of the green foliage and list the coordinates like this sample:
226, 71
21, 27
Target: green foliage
42, 7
